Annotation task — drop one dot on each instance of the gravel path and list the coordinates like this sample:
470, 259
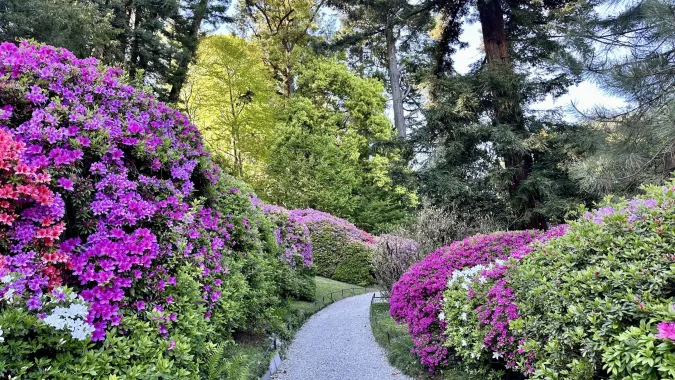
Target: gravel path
338, 344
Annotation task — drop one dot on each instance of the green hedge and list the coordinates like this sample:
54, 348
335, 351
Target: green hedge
337, 257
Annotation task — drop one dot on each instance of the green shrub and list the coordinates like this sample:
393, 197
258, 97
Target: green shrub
356, 266
589, 302
339, 256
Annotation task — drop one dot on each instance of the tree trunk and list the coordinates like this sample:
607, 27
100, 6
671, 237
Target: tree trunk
191, 42
135, 46
507, 105
494, 35
395, 81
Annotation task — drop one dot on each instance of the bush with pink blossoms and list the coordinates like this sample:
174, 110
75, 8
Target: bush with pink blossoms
417, 297
593, 299
477, 312
107, 194
341, 250
295, 246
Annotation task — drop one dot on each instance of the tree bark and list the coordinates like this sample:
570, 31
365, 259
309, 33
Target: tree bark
507, 105
395, 81
495, 41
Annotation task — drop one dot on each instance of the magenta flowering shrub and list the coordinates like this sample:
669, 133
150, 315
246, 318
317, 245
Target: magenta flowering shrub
291, 234
417, 297
126, 166
496, 299
111, 209
478, 310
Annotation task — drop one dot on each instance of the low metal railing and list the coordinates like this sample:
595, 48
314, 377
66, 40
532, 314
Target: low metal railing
392, 337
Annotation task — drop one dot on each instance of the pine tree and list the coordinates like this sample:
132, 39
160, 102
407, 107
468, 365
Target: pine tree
484, 142
79, 26
630, 54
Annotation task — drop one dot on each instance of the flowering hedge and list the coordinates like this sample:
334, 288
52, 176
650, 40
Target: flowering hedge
293, 238
117, 228
341, 250
292, 235
417, 297
591, 299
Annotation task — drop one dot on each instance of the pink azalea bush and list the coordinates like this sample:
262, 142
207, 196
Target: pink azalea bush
591, 299
478, 312
417, 297
116, 228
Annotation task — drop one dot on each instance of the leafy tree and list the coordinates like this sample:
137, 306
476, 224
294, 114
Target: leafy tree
324, 156
79, 26
282, 28
189, 21
632, 56
230, 96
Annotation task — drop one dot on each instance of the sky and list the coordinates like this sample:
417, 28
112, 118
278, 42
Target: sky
585, 96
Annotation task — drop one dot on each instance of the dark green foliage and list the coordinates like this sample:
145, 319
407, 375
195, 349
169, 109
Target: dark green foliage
584, 298
154, 41
468, 170
338, 258
356, 266
297, 284
79, 26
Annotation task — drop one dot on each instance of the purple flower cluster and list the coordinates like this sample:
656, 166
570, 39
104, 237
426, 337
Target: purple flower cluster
417, 297
291, 234
633, 210
127, 169
317, 219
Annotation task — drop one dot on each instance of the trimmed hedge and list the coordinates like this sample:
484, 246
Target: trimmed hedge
341, 251
589, 300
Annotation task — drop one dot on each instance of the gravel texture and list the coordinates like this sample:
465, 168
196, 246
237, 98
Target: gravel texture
338, 344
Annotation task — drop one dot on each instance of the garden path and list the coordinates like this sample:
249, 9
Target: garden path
337, 343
